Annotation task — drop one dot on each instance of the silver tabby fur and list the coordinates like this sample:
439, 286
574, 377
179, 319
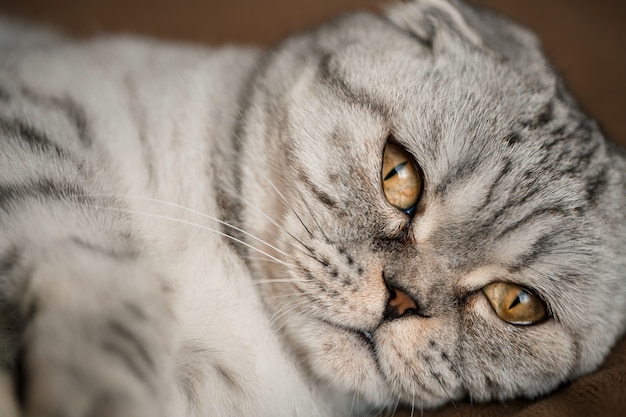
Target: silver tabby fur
121, 294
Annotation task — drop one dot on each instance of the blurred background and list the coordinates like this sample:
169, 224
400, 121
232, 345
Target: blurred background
585, 39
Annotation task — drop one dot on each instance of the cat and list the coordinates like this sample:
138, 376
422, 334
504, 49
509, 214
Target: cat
391, 209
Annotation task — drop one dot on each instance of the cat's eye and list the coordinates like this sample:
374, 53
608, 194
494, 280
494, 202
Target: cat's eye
401, 179
515, 304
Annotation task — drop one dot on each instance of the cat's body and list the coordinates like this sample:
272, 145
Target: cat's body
121, 297
178, 116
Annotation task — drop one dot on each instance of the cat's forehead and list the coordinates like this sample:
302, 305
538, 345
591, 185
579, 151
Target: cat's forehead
401, 74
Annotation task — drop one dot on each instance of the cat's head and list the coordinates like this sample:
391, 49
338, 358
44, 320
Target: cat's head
445, 220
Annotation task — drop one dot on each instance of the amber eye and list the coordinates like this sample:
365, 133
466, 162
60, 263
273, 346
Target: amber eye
402, 182
515, 304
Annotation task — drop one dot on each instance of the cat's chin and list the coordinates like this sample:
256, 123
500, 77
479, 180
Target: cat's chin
341, 358
372, 368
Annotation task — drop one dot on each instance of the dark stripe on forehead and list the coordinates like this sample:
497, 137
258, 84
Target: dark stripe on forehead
536, 250
554, 213
463, 170
504, 171
331, 77
503, 211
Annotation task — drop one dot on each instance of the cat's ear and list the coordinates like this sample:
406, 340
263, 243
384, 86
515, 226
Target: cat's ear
433, 21
448, 25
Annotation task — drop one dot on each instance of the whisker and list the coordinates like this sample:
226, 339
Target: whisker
313, 255
438, 379
278, 296
276, 280
395, 406
311, 213
286, 309
390, 398
174, 219
355, 401
279, 227
288, 205
194, 211
259, 259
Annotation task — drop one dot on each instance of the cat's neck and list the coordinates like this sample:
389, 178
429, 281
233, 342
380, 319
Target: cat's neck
254, 201
228, 142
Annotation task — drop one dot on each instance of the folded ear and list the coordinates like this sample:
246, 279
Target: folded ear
433, 20
451, 24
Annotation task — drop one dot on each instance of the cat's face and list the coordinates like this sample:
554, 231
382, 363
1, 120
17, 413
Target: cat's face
439, 223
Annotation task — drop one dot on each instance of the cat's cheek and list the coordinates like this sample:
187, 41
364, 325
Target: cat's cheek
418, 355
351, 294
512, 359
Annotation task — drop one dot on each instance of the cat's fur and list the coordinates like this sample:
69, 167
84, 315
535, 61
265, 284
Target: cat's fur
121, 296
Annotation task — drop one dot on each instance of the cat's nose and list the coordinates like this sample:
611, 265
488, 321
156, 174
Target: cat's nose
399, 304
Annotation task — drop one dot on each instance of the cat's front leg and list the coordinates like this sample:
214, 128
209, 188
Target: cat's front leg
97, 333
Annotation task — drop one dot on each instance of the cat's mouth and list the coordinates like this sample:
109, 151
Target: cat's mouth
368, 341
367, 337
364, 336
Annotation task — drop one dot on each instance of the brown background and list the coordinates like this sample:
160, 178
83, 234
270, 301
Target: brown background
586, 39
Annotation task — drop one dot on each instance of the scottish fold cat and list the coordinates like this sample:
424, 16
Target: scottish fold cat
397, 209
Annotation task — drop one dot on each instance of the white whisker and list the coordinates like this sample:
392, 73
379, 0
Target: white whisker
287, 204
286, 309
279, 296
190, 210
442, 386
311, 213
258, 258
277, 280
279, 227
174, 219
354, 407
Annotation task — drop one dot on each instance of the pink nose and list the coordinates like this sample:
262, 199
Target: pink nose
399, 304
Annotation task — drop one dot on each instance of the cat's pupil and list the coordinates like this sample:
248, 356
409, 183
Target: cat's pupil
398, 169
522, 298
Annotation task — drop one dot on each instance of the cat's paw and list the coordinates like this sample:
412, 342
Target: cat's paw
89, 367
97, 338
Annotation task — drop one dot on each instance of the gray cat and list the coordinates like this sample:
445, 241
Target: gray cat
399, 209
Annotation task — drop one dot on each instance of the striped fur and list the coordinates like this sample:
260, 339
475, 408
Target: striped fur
191, 232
